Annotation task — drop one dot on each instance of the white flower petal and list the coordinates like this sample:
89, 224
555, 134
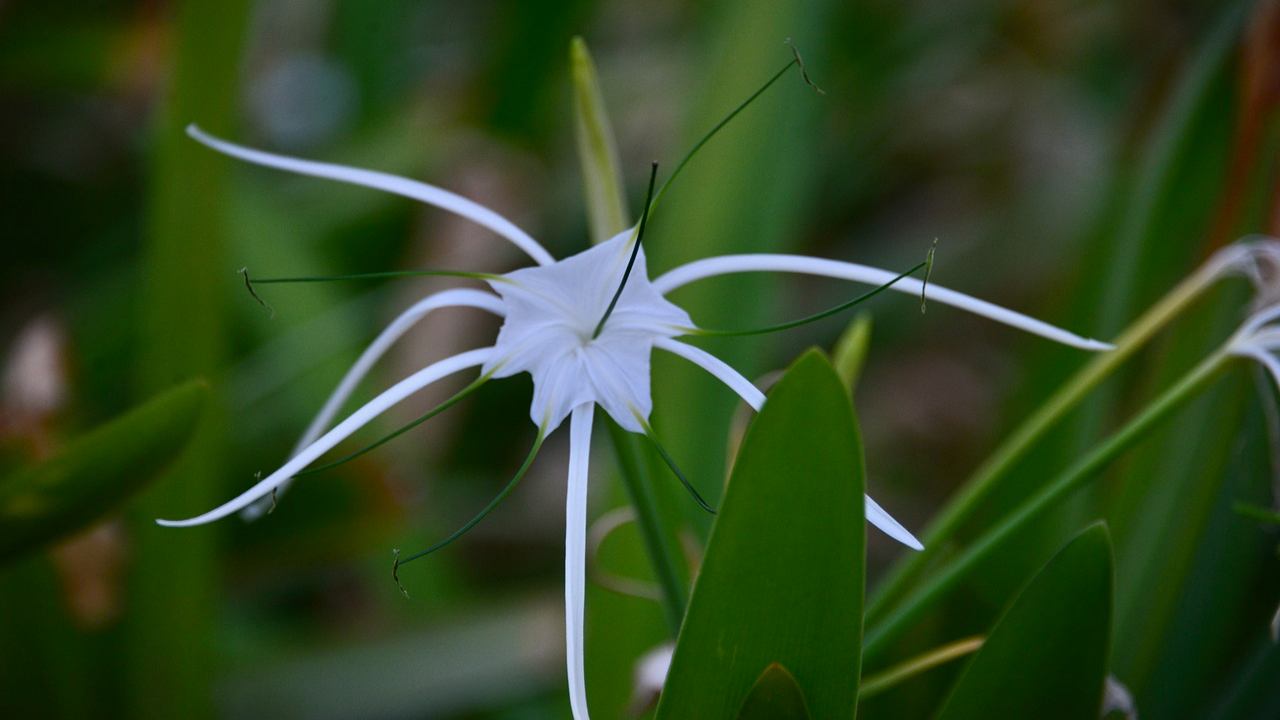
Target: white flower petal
718, 368
618, 369
344, 429
575, 556
883, 520
753, 397
730, 264
558, 389
458, 297
1257, 320
430, 194
549, 331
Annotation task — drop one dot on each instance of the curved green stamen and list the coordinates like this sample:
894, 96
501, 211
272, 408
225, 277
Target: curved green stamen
635, 250
457, 397
511, 485
671, 463
816, 316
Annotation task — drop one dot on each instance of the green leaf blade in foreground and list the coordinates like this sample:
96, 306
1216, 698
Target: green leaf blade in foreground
94, 474
783, 577
1047, 655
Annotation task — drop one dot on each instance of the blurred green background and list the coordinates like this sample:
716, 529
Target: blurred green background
1073, 158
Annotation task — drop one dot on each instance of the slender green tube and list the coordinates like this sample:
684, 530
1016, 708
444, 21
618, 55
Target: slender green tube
883, 633
997, 466
660, 540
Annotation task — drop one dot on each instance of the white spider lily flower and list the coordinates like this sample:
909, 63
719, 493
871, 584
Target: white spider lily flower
1256, 258
1259, 339
549, 330
553, 330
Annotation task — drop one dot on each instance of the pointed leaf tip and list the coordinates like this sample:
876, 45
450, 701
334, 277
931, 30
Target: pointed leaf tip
98, 471
783, 576
597, 148
1047, 655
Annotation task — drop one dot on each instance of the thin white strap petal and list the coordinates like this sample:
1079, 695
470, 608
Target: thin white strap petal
414, 189
729, 264
344, 429
458, 297
753, 397
883, 520
717, 367
575, 556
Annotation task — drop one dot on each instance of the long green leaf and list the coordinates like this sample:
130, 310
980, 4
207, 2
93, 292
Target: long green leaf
1047, 656
172, 584
783, 577
95, 473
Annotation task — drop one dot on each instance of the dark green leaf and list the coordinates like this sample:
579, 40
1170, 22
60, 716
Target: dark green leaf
1047, 656
97, 472
783, 577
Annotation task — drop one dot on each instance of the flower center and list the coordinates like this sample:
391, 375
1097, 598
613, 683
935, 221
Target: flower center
553, 330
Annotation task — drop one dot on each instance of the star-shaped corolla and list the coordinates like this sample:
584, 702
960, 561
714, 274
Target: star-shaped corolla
552, 329
552, 313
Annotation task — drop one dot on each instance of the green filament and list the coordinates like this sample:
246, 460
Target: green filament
458, 397
816, 316
635, 250
671, 463
502, 495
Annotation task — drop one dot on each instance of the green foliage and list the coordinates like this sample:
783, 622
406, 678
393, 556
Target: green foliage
186, 272
747, 190
1155, 124
94, 474
783, 577
1047, 656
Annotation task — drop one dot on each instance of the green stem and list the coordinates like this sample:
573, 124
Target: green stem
998, 465
882, 635
660, 540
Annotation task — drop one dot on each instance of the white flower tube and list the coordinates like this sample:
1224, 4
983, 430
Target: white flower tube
730, 264
575, 556
1257, 339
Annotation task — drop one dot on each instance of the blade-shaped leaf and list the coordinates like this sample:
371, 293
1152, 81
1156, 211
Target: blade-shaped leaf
97, 472
783, 577
1047, 655
597, 148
